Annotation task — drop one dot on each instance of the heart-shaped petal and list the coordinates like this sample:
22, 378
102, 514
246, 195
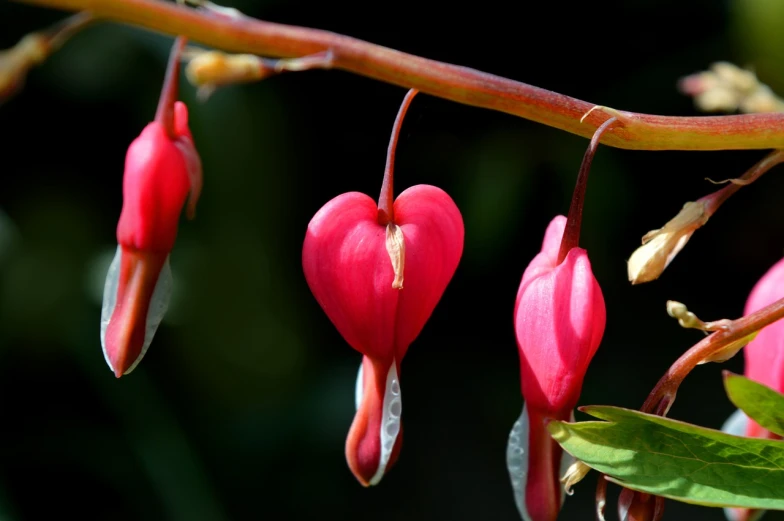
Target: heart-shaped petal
348, 268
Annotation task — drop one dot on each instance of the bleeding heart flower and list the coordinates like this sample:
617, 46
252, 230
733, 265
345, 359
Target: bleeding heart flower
378, 271
161, 168
559, 321
764, 363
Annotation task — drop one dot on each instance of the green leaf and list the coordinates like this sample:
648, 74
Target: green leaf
677, 460
762, 404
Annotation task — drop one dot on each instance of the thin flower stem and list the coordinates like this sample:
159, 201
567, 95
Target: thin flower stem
663, 394
574, 219
716, 199
170, 91
452, 82
386, 200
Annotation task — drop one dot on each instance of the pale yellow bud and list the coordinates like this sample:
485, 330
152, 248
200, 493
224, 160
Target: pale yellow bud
19, 59
729, 350
215, 68
659, 247
727, 88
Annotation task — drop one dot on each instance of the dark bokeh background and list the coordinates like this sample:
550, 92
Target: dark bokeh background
241, 407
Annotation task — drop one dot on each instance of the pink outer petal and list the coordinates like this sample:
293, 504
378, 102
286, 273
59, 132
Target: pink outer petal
559, 323
125, 334
347, 267
765, 354
547, 258
155, 185
434, 234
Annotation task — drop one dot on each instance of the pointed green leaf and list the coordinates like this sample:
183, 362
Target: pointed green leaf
677, 460
761, 403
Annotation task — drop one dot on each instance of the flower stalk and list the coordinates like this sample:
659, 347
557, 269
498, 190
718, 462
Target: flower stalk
451, 82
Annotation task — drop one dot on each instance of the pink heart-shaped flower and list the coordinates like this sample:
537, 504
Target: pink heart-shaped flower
348, 267
349, 271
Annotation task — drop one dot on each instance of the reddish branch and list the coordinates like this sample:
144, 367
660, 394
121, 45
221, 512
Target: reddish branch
452, 82
662, 396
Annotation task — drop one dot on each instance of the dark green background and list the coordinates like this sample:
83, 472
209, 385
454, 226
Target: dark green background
241, 407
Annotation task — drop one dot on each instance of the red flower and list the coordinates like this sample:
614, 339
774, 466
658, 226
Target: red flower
559, 320
378, 272
161, 168
559, 323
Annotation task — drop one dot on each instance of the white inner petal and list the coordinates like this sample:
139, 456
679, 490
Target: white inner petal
736, 423
517, 461
623, 511
109, 299
159, 303
732, 514
390, 421
359, 389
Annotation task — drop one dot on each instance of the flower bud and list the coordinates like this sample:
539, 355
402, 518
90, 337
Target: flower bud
660, 246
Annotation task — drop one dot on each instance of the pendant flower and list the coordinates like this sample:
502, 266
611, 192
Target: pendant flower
162, 167
378, 271
559, 320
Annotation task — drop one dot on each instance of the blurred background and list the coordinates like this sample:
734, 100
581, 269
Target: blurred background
240, 409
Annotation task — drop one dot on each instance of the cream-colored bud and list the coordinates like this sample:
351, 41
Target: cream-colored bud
727, 88
729, 350
396, 247
573, 475
685, 317
215, 68
19, 59
660, 246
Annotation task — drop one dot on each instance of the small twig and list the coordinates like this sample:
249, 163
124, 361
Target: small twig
659, 247
663, 394
33, 49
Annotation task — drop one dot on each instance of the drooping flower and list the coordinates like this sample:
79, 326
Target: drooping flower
559, 323
764, 363
378, 271
559, 320
162, 167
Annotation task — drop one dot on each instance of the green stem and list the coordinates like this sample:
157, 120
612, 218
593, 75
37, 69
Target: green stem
452, 82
